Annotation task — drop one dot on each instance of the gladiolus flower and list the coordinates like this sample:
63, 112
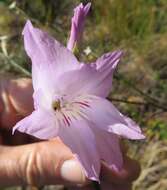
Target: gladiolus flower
69, 102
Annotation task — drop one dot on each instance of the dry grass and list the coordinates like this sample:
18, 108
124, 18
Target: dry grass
154, 167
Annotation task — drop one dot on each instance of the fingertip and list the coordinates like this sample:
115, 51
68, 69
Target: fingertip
20, 94
14, 100
71, 171
109, 173
127, 174
133, 167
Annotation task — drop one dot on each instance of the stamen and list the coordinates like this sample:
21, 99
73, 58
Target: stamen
67, 111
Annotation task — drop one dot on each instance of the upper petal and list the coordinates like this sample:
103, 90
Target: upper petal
49, 58
106, 66
95, 79
40, 124
79, 137
107, 60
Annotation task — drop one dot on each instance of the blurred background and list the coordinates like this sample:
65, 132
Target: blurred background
139, 27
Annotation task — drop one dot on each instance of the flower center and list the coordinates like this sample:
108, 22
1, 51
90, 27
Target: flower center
56, 105
67, 109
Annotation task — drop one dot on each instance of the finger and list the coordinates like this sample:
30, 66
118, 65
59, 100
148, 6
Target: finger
1, 140
39, 164
8, 115
15, 100
20, 94
109, 186
129, 173
90, 187
126, 186
103, 186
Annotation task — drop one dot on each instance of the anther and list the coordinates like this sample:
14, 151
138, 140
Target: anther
56, 105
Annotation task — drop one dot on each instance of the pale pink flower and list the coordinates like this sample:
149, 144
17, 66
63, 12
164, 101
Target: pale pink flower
69, 102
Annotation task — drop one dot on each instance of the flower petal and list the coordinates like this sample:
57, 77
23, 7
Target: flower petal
81, 141
106, 66
77, 24
40, 124
107, 60
48, 57
95, 79
132, 124
43, 100
108, 147
105, 116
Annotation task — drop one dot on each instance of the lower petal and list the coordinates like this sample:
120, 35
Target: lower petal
81, 141
108, 147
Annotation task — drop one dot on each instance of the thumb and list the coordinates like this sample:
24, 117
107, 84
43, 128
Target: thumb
38, 164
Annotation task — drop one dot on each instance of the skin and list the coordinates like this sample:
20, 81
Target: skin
27, 160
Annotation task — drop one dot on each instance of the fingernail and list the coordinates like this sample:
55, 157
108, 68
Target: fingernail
114, 168
72, 171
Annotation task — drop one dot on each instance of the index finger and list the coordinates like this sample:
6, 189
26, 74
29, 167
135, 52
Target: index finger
129, 172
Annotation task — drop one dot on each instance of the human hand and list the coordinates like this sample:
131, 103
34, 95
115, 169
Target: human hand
49, 162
